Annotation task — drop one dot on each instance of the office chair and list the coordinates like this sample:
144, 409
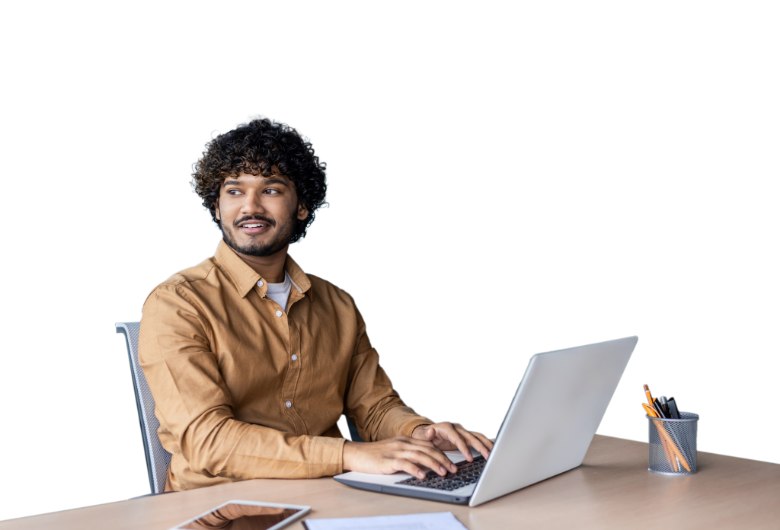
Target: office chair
157, 458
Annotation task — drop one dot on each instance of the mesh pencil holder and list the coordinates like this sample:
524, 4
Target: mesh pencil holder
673, 445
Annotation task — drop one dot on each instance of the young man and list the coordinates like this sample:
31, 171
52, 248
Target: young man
251, 361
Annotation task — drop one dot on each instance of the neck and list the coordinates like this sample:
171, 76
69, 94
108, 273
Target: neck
271, 268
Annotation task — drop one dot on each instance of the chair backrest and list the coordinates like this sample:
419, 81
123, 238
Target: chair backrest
157, 458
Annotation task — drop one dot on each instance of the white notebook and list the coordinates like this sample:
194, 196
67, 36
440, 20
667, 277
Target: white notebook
417, 521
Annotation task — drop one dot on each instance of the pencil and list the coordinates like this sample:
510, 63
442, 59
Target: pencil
651, 412
676, 451
667, 450
665, 435
660, 414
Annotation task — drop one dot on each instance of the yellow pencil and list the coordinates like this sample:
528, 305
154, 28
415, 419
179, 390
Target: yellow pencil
665, 435
652, 412
667, 450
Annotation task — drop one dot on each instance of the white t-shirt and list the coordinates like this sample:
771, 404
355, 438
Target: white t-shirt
280, 292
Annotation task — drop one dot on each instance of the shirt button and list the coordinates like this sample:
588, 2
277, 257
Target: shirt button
289, 404
260, 283
278, 313
294, 357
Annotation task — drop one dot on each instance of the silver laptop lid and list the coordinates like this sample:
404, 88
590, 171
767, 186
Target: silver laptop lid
553, 417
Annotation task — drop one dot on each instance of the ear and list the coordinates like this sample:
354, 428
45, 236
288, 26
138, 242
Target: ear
216, 212
303, 212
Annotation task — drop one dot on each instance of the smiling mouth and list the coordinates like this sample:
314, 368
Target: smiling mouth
254, 228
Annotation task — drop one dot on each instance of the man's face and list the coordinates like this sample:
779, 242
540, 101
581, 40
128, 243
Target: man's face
257, 214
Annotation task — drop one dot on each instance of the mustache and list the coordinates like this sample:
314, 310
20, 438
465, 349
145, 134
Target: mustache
255, 218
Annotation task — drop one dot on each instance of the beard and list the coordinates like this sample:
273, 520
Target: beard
282, 239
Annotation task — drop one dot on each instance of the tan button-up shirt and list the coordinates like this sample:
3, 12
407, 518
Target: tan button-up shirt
246, 389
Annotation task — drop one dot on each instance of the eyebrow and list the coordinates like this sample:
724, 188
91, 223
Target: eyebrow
266, 182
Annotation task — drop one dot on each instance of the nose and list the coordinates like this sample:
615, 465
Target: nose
252, 204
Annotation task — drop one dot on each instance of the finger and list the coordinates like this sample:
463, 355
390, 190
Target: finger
474, 441
418, 441
429, 461
429, 433
420, 458
456, 439
484, 439
402, 464
434, 452
442, 442
444, 445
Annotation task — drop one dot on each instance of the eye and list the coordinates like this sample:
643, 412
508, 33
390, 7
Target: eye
233, 192
271, 191
230, 192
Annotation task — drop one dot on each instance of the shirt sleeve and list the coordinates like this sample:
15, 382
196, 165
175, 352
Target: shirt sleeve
371, 403
195, 406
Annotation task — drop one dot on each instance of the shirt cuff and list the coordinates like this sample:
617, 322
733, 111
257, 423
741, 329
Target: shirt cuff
326, 456
408, 428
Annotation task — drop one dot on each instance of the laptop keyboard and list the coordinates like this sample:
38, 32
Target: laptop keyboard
468, 473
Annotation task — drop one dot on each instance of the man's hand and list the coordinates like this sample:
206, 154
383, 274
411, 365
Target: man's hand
396, 454
451, 436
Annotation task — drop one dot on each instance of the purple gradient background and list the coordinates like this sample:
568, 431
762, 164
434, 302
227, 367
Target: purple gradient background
656, 305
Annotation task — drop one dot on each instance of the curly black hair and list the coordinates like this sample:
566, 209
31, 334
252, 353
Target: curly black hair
254, 148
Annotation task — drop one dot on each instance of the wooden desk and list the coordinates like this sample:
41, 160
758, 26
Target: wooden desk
612, 489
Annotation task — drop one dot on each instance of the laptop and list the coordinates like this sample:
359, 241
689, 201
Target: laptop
547, 431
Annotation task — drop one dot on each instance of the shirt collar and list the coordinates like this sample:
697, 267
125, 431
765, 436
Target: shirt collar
245, 278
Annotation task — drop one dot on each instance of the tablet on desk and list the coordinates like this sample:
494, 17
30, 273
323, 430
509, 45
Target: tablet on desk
246, 515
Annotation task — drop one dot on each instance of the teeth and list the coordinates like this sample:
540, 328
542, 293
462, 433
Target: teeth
254, 226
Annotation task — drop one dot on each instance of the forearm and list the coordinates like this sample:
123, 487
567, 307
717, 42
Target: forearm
399, 420
218, 445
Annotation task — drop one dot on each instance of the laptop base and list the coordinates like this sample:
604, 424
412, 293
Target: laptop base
420, 493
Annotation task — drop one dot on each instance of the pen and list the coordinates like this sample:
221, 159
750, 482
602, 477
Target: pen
665, 435
662, 401
674, 412
658, 409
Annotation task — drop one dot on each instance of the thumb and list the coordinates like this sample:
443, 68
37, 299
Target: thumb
425, 432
